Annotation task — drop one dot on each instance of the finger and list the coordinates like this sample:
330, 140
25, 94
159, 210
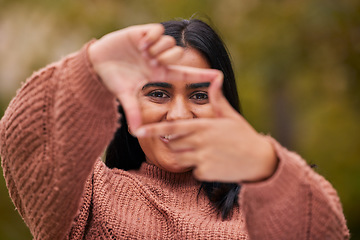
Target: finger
164, 43
174, 129
131, 107
184, 143
152, 33
195, 160
219, 103
170, 56
186, 159
186, 74
202, 174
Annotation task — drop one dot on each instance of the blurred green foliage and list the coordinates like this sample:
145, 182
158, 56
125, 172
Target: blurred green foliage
297, 65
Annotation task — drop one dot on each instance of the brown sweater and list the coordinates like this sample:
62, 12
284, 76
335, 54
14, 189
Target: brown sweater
58, 125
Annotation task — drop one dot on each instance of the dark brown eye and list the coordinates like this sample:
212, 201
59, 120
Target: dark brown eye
157, 94
200, 97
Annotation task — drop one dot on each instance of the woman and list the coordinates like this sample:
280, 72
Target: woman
184, 131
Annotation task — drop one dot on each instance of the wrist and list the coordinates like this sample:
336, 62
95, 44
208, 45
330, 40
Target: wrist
267, 160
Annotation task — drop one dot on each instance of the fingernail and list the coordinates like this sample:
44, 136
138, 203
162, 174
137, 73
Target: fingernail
140, 132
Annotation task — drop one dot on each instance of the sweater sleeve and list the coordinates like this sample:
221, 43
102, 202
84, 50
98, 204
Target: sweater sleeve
295, 203
51, 134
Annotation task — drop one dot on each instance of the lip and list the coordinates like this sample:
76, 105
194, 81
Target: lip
165, 140
168, 138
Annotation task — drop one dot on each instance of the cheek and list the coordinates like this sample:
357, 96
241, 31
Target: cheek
151, 112
203, 111
145, 144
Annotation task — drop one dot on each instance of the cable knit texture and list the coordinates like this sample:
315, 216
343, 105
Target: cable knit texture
58, 125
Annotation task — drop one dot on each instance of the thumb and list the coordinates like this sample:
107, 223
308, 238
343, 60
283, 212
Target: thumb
131, 107
219, 103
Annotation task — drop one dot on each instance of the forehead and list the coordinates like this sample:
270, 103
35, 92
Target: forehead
193, 58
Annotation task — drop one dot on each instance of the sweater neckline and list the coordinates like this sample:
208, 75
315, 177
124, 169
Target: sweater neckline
154, 172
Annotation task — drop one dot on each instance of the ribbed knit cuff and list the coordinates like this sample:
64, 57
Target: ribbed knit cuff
278, 208
289, 172
86, 84
295, 203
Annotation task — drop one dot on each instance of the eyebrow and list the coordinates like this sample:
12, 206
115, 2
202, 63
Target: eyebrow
157, 84
168, 85
198, 85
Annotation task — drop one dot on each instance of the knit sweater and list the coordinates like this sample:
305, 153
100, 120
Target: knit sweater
59, 124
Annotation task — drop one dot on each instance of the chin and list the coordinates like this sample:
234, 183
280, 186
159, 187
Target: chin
168, 164
177, 169
157, 153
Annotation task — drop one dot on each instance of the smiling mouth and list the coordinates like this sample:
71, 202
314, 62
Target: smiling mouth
168, 138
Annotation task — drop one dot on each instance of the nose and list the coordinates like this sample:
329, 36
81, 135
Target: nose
179, 109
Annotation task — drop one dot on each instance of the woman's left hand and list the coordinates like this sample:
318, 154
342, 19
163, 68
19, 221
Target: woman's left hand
225, 148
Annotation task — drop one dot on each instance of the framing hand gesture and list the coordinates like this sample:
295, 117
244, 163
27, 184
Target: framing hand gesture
126, 59
225, 148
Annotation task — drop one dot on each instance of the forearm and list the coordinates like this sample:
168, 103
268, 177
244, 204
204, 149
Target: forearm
51, 134
295, 203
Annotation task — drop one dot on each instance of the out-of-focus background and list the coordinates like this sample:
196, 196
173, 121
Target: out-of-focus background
297, 65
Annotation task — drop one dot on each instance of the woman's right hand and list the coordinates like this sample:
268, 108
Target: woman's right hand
128, 58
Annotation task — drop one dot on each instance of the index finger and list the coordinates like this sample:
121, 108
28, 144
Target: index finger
151, 33
177, 129
185, 74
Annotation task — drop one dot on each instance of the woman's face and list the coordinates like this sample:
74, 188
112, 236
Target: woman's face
173, 100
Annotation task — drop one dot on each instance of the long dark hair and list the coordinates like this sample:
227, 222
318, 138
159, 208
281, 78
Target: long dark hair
124, 152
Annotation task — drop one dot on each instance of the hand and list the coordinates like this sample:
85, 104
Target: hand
126, 59
225, 148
